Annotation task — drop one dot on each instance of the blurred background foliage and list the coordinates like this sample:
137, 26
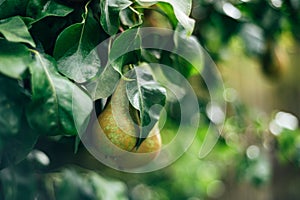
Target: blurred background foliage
255, 44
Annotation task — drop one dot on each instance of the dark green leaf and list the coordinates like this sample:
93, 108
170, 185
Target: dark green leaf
46, 32
15, 30
16, 138
15, 148
14, 59
12, 99
110, 10
182, 10
41, 9
28, 21
75, 49
71, 185
147, 96
19, 180
9, 8
125, 49
56, 100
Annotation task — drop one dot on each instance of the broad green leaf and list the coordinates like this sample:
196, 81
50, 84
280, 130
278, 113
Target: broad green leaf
9, 8
104, 83
14, 59
184, 5
70, 184
75, 49
102, 86
15, 30
107, 189
16, 138
187, 62
110, 10
56, 100
130, 17
28, 21
167, 11
12, 100
16, 181
147, 96
46, 31
182, 10
125, 49
15, 148
41, 9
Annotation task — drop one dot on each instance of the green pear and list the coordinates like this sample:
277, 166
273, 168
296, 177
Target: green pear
116, 132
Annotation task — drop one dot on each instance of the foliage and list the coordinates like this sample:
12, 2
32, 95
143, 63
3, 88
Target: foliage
257, 23
68, 183
52, 74
47, 71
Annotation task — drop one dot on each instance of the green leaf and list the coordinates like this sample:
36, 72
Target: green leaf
182, 10
71, 184
131, 17
75, 49
15, 148
41, 9
15, 30
12, 100
187, 62
147, 96
46, 32
107, 189
17, 181
9, 8
56, 100
104, 84
28, 21
16, 138
110, 10
125, 49
14, 59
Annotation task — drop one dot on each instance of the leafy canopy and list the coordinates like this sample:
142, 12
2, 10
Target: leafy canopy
51, 69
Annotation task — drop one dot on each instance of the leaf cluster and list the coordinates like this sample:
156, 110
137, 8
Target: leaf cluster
52, 70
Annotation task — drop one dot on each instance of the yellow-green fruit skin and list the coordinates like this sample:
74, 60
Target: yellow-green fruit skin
115, 130
109, 138
146, 153
115, 134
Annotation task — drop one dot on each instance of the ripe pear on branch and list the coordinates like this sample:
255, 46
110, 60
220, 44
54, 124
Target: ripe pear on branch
116, 133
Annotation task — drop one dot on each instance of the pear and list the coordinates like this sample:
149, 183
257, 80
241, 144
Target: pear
116, 132
147, 152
